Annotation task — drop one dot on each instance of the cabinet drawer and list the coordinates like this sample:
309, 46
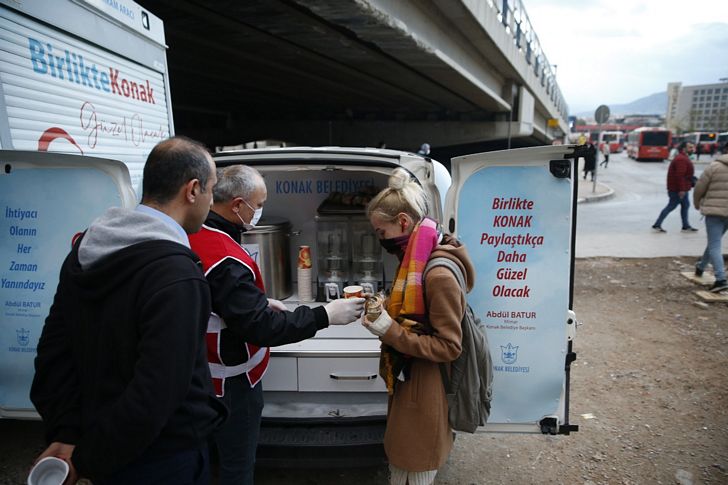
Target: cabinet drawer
282, 375
339, 374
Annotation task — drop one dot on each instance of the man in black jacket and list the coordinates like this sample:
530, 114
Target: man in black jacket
122, 381
245, 321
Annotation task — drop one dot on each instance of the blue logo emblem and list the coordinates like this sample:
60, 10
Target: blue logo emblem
509, 354
23, 336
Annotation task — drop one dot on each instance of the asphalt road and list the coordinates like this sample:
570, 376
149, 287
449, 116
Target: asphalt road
621, 225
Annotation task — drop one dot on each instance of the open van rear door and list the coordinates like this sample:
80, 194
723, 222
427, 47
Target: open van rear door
515, 211
45, 199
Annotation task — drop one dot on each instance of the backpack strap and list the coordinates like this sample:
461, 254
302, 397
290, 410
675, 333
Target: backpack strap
452, 266
449, 264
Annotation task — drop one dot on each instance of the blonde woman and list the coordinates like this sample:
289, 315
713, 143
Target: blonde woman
419, 329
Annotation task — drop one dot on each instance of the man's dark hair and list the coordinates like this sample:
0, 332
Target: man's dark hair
170, 165
682, 146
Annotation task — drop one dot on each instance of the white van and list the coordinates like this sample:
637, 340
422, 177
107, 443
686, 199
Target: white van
81, 82
86, 77
514, 210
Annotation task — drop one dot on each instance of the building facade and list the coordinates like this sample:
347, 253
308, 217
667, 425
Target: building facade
702, 107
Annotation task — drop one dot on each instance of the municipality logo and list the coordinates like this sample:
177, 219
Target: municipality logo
23, 336
509, 354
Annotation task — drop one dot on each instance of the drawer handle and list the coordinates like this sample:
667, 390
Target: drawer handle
353, 377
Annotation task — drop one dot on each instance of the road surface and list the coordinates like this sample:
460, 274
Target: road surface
621, 225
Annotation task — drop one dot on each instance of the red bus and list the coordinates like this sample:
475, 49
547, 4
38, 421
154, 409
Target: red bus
615, 140
648, 143
708, 141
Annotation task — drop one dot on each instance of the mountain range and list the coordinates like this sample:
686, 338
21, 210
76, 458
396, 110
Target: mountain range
654, 104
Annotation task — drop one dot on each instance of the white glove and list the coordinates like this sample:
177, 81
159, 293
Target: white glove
276, 305
379, 326
344, 310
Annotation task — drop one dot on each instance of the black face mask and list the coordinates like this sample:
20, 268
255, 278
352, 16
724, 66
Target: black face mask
395, 245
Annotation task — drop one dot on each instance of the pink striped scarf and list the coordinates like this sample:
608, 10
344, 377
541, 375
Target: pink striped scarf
407, 296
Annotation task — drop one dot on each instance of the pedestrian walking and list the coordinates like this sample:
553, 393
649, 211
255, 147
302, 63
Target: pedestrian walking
419, 327
590, 160
605, 154
244, 322
711, 197
679, 182
121, 376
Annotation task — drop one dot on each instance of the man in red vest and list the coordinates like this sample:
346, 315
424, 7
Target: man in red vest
244, 322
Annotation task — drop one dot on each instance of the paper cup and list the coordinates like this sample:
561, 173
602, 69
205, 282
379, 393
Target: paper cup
304, 257
48, 471
354, 291
304, 284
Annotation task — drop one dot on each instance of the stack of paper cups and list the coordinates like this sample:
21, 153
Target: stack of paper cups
304, 274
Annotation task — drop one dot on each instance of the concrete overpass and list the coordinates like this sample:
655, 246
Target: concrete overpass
359, 72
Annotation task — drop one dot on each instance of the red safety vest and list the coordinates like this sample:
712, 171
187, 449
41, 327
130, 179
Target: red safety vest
213, 247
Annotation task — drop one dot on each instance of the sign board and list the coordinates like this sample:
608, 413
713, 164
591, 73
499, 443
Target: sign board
514, 213
601, 115
46, 198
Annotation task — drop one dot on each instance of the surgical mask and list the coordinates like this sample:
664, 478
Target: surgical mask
257, 213
395, 245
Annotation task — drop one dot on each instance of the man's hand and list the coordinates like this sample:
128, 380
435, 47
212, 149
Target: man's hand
64, 452
681, 194
344, 310
276, 305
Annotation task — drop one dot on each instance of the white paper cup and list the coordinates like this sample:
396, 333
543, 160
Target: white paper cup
48, 471
353, 291
304, 284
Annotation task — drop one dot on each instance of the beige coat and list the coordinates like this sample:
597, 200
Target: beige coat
711, 190
418, 437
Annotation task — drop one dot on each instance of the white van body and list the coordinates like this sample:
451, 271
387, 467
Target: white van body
513, 209
85, 77
82, 82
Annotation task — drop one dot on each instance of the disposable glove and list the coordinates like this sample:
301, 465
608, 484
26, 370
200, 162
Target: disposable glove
344, 310
379, 326
276, 305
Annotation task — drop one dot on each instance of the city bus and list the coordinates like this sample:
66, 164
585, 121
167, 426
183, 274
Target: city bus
722, 140
677, 139
649, 143
615, 140
706, 140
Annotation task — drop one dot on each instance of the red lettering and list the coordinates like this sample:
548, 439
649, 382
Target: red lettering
134, 90
150, 93
114, 75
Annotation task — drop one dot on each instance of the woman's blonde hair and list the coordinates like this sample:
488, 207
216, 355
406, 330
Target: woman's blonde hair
403, 194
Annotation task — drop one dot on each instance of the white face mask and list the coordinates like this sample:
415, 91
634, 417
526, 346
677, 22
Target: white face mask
257, 213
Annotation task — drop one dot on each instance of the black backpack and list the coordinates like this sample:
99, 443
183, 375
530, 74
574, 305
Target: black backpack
469, 388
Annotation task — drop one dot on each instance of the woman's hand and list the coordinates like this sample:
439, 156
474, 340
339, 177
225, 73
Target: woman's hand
379, 326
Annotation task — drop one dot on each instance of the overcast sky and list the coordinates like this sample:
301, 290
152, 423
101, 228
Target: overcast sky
617, 51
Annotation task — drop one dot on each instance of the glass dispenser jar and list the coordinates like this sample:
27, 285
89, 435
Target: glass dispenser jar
332, 244
366, 253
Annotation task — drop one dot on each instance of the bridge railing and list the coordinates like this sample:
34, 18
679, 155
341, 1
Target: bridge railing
512, 15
